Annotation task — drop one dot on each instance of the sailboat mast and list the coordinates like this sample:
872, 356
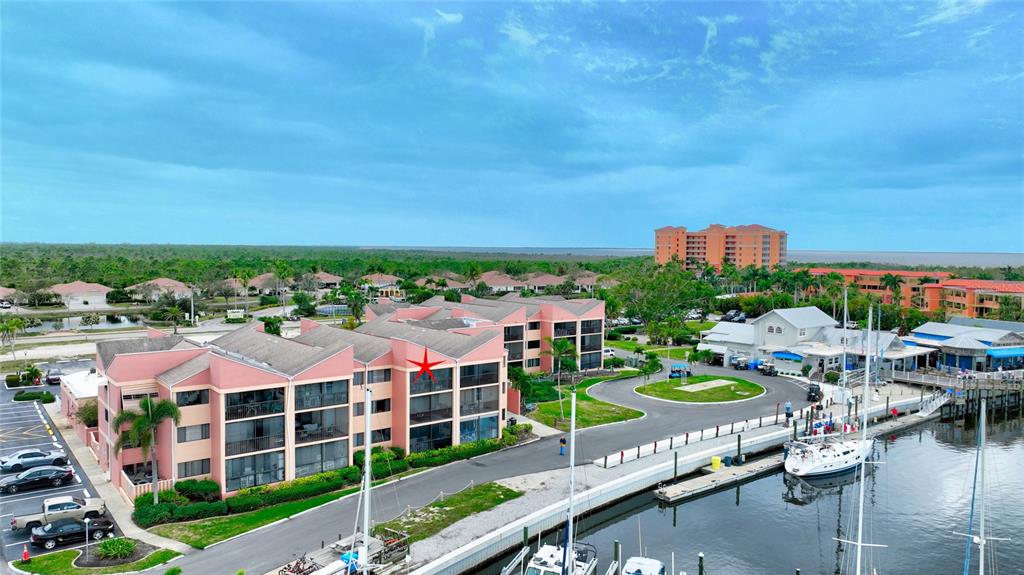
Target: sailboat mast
569, 555
981, 488
364, 549
846, 321
864, 437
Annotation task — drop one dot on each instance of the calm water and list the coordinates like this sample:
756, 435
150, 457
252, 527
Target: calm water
773, 525
106, 322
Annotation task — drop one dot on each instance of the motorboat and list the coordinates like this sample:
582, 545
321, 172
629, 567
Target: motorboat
643, 566
548, 560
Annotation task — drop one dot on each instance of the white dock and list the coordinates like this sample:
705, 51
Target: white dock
710, 480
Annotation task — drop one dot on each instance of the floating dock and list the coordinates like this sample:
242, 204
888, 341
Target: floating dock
709, 480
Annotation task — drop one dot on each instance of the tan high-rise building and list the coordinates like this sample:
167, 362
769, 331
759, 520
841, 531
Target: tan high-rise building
742, 245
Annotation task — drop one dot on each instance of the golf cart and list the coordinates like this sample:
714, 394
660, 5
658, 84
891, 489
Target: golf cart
814, 392
680, 370
740, 363
767, 368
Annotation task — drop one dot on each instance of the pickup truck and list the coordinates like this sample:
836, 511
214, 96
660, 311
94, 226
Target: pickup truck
60, 508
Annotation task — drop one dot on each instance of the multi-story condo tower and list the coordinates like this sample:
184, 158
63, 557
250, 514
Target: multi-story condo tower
741, 245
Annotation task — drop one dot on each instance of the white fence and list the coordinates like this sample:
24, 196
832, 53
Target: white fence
510, 536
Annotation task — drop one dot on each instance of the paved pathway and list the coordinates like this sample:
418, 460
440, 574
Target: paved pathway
285, 541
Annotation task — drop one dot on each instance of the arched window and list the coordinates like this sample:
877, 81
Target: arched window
778, 330
771, 329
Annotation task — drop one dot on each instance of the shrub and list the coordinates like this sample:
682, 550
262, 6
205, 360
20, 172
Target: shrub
118, 548
379, 455
832, 377
444, 455
387, 468
542, 391
150, 515
613, 335
399, 452
269, 300
613, 362
242, 503
166, 496
42, 396
806, 369
173, 571
630, 329
236, 320
205, 490
88, 413
200, 510
12, 380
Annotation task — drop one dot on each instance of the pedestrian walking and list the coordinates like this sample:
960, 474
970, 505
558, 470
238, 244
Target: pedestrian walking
789, 412
561, 446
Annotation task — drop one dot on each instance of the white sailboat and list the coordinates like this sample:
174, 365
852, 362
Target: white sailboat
569, 558
978, 497
824, 455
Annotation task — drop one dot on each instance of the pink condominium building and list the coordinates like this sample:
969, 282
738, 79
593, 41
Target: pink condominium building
258, 408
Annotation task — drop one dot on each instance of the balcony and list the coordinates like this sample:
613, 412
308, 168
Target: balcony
253, 444
254, 409
430, 415
313, 432
478, 407
565, 331
311, 401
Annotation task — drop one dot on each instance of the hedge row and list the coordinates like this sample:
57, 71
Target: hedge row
43, 396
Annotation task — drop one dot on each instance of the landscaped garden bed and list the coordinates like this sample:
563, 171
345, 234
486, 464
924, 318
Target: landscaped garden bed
589, 411
703, 389
64, 563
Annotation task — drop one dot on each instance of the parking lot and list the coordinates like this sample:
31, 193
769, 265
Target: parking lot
27, 425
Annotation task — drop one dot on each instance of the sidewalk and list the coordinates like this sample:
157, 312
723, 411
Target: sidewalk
118, 508
539, 429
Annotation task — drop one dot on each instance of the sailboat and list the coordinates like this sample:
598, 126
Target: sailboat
829, 454
978, 498
571, 557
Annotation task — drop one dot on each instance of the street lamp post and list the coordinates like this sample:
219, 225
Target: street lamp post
87, 539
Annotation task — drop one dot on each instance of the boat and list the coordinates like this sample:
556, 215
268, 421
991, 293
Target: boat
571, 557
832, 453
978, 500
643, 566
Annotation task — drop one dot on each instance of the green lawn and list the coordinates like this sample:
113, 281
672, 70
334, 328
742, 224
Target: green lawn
60, 563
698, 326
423, 523
678, 353
205, 532
669, 389
589, 411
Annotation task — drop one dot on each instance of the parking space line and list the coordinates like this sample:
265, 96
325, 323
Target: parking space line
47, 490
20, 447
47, 495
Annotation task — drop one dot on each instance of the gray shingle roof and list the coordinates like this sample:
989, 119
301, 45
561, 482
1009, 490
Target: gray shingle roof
367, 347
186, 370
1014, 326
108, 349
804, 317
286, 356
454, 345
386, 308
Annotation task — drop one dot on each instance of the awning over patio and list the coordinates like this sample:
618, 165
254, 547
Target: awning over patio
1006, 352
787, 355
719, 349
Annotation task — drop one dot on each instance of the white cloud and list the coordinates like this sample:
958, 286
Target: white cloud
953, 10
711, 24
913, 34
747, 42
514, 30
430, 25
453, 18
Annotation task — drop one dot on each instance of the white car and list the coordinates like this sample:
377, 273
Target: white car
608, 352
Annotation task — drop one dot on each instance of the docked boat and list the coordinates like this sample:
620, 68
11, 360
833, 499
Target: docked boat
643, 566
570, 558
826, 456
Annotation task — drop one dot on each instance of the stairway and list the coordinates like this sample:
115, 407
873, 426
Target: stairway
933, 403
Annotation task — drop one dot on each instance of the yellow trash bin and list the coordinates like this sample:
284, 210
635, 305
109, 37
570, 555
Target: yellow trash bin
716, 463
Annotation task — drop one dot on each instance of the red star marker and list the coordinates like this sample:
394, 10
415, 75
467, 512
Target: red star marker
424, 366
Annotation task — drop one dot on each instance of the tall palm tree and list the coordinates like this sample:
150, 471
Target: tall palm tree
141, 432
244, 276
9, 328
472, 273
559, 350
173, 314
894, 284
832, 284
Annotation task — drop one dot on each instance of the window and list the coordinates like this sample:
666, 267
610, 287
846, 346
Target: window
427, 408
533, 344
320, 425
381, 405
590, 342
533, 325
254, 403
480, 374
193, 432
358, 409
106, 414
803, 331
253, 435
771, 329
533, 362
378, 435
513, 333
193, 468
442, 381
357, 378
379, 376
565, 329
778, 330
254, 470
478, 400
426, 437
322, 457
190, 398
478, 428
590, 360
313, 395
590, 326
515, 350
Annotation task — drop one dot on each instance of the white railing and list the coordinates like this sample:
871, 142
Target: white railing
933, 403
957, 379
133, 490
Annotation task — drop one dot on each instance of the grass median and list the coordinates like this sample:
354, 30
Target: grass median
589, 411
430, 520
675, 389
678, 353
61, 563
205, 532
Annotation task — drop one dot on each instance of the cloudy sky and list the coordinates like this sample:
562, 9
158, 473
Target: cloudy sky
881, 126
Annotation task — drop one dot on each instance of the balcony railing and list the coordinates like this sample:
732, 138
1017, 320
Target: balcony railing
513, 355
253, 444
478, 407
311, 401
303, 435
254, 409
565, 331
432, 415
594, 346
131, 490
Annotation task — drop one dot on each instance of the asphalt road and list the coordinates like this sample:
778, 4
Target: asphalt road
27, 425
283, 542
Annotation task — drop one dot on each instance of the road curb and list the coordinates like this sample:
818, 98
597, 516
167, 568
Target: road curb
14, 569
764, 392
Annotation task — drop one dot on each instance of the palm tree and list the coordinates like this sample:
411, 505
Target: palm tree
244, 276
9, 328
472, 273
893, 283
173, 314
832, 284
559, 350
141, 432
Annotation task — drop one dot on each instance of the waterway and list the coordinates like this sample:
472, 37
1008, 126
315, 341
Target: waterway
75, 322
914, 502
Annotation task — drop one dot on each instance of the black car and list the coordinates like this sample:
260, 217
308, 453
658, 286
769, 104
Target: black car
730, 314
64, 531
46, 476
53, 376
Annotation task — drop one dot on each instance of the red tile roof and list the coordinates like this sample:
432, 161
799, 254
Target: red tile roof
870, 272
986, 285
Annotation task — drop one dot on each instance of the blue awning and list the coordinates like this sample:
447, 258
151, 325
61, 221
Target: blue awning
910, 343
787, 355
1006, 352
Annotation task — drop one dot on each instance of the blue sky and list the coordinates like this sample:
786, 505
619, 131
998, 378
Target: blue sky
881, 126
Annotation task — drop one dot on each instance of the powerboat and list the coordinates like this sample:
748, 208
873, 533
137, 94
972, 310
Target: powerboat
643, 566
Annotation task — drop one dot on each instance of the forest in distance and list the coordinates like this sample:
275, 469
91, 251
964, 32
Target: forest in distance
32, 265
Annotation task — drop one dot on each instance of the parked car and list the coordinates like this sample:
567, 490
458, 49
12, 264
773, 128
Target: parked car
6, 305
27, 458
608, 352
739, 318
46, 476
694, 314
730, 314
767, 368
56, 508
64, 531
53, 376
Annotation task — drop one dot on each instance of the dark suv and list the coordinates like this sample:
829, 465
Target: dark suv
53, 376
